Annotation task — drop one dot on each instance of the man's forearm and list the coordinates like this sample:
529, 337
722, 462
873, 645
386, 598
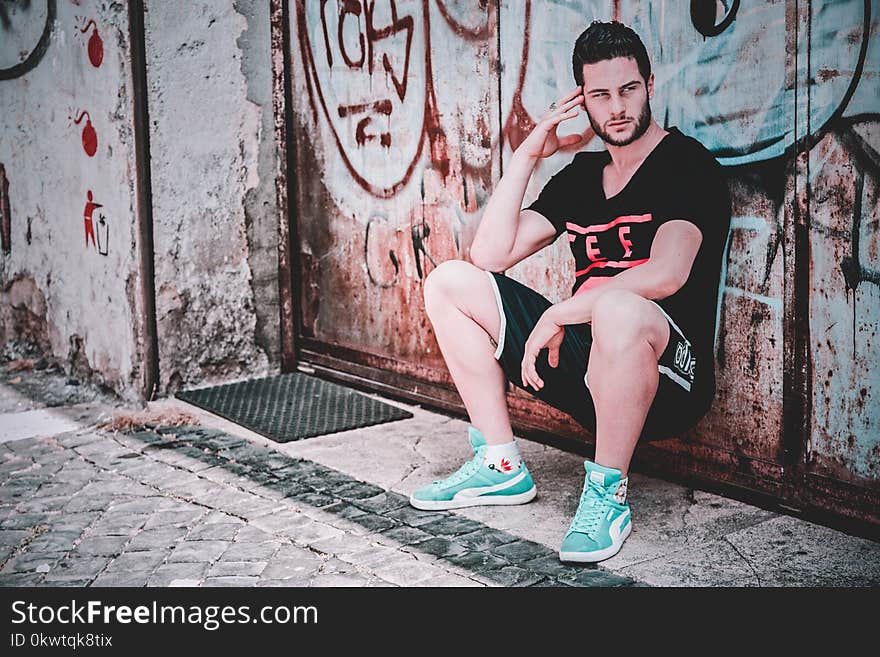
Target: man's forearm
497, 230
651, 282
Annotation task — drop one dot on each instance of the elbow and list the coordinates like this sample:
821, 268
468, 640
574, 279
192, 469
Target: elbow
673, 285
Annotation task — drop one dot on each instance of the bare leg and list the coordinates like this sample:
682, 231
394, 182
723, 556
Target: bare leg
461, 305
629, 336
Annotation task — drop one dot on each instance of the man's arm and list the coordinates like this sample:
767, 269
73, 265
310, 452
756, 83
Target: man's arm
506, 235
673, 251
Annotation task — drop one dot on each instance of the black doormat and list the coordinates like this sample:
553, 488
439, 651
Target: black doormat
293, 406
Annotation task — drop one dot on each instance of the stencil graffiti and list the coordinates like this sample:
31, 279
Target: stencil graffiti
25, 33
89, 135
89, 210
95, 45
103, 232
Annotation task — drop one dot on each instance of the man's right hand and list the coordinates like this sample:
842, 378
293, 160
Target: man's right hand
543, 141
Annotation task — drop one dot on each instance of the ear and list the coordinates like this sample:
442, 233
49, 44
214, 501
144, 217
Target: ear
651, 86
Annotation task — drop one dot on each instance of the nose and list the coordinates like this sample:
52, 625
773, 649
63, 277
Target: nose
617, 106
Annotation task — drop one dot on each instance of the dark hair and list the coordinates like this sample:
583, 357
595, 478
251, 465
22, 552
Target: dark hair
601, 41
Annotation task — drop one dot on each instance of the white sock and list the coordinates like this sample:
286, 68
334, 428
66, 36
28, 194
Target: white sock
503, 458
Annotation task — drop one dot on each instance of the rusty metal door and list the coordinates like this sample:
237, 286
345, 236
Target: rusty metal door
394, 119
396, 139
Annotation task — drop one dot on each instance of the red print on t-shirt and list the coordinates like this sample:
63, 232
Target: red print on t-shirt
621, 225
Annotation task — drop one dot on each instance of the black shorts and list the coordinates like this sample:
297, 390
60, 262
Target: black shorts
685, 388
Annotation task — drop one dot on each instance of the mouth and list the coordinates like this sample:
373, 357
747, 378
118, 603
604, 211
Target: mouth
617, 124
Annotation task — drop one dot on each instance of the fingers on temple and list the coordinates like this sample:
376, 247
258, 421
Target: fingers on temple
571, 94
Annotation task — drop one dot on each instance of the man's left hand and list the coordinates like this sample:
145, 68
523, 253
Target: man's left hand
546, 334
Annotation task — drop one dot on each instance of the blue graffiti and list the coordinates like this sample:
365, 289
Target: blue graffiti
728, 82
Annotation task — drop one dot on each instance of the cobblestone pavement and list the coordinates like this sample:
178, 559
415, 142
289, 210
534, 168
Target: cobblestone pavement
212, 504
196, 507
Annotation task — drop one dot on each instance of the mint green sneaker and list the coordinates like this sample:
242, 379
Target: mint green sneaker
602, 521
475, 484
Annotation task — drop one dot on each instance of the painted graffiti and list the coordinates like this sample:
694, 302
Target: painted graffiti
89, 135
25, 32
95, 45
382, 271
360, 57
705, 18
370, 73
702, 81
5, 215
89, 210
103, 232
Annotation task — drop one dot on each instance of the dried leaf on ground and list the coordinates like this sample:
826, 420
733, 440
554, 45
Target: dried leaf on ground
131, 421
21, 364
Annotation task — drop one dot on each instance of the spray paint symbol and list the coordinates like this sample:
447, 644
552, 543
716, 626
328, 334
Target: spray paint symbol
89, 136
103, 233
96, 45
87, 218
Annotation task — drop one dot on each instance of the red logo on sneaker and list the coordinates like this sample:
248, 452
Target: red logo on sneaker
505, 465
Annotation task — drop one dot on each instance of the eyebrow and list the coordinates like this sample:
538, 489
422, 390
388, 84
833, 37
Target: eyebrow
630, 83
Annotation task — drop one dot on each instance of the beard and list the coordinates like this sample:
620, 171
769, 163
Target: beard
642, 124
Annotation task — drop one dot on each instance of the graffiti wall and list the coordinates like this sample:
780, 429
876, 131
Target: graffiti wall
406, 110
68, 263
68, 203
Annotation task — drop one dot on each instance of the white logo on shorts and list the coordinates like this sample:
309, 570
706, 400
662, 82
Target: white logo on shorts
684, 359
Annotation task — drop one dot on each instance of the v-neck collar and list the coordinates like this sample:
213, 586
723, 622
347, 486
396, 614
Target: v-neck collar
605, 160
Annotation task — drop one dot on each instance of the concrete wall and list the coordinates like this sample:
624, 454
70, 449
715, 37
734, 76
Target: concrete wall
212, 172
214, 217
69, 269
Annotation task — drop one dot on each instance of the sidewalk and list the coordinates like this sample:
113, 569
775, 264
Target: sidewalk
216, 505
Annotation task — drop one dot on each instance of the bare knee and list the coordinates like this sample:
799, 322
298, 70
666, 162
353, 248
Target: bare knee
622, 318
448, 280
459, 284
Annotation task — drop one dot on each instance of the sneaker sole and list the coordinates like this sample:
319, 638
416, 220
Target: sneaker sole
462, 502
598, 555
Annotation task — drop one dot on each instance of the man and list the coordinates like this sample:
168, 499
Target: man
630, 354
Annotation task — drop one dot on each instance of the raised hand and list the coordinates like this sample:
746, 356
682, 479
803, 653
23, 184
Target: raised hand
543, 140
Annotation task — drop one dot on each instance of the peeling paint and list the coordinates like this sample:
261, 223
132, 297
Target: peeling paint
24, 328
206, 179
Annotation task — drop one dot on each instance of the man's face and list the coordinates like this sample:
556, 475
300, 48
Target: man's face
616, 98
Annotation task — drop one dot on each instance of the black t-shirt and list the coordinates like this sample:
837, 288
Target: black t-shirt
679, 179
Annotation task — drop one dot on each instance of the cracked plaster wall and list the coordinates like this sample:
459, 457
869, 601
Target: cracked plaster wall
66, 292
212, 151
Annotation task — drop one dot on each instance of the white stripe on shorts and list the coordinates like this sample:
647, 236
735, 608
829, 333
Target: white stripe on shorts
662, 368
501, 313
